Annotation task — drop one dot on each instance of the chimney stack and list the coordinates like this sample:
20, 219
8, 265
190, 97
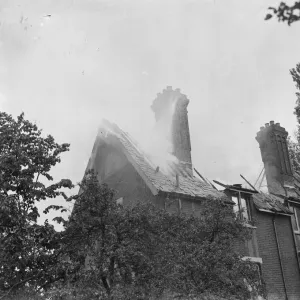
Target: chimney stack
170, 108
272, 139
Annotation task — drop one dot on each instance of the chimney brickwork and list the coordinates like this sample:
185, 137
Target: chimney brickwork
272, 139
170, 108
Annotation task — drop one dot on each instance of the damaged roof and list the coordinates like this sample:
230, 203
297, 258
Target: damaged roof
262, 201
157, 181
270, 203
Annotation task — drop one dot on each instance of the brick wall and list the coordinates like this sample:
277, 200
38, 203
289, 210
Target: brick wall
271, 270
288, 254
268, 251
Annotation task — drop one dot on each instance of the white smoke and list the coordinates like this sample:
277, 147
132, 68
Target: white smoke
158, 144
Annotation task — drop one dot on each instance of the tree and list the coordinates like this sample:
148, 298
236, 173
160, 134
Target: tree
26, 248
294, 151
142, 252
285, 13
294, 146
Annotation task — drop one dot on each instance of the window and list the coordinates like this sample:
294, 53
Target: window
295, 220
241, 207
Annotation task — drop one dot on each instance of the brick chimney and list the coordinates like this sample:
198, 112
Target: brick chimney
170, 108
272, 139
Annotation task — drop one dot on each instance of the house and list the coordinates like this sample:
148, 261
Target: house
275, 215
165, 177
278, 232
136, 174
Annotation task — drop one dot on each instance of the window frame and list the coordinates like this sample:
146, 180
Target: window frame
240, 195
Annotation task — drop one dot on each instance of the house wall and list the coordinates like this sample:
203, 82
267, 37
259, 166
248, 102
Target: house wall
271, 270
128, 184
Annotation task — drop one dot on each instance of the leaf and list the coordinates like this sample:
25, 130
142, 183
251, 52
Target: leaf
268, 17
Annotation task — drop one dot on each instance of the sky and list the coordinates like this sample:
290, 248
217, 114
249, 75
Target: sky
69, 63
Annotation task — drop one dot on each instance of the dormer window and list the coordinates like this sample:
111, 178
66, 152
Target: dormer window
241, 207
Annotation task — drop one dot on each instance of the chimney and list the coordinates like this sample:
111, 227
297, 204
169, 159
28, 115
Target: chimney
170, 108
272, 139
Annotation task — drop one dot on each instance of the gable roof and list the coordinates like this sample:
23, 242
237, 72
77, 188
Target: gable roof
157, 181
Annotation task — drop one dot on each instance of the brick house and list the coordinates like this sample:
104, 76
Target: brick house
137, 176
278, 237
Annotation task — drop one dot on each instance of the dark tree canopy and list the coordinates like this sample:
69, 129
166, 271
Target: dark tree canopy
26, 247
294, 146
285, 13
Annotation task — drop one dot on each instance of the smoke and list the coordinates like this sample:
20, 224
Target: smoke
157, 142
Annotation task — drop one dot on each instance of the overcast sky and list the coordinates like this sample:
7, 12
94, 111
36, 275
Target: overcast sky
106, 58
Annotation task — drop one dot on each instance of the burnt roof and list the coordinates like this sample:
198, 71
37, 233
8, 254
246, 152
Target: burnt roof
157, 181
236, 187
262, 201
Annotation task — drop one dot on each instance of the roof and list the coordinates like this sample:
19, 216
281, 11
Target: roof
270, 203
155, 179
262, 201
236, 187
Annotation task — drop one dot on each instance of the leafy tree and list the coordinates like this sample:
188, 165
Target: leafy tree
26, 248
294, 146
285, 13
294, 151
142, 252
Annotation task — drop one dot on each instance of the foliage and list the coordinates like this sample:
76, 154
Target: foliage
295, 72
142, 252
285, 13
294, 146
26, 248
294, 152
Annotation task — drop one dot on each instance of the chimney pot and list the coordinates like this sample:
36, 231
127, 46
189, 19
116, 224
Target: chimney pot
271, 122
262, 128
169, 88
277, 124
267, 124
177, 90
